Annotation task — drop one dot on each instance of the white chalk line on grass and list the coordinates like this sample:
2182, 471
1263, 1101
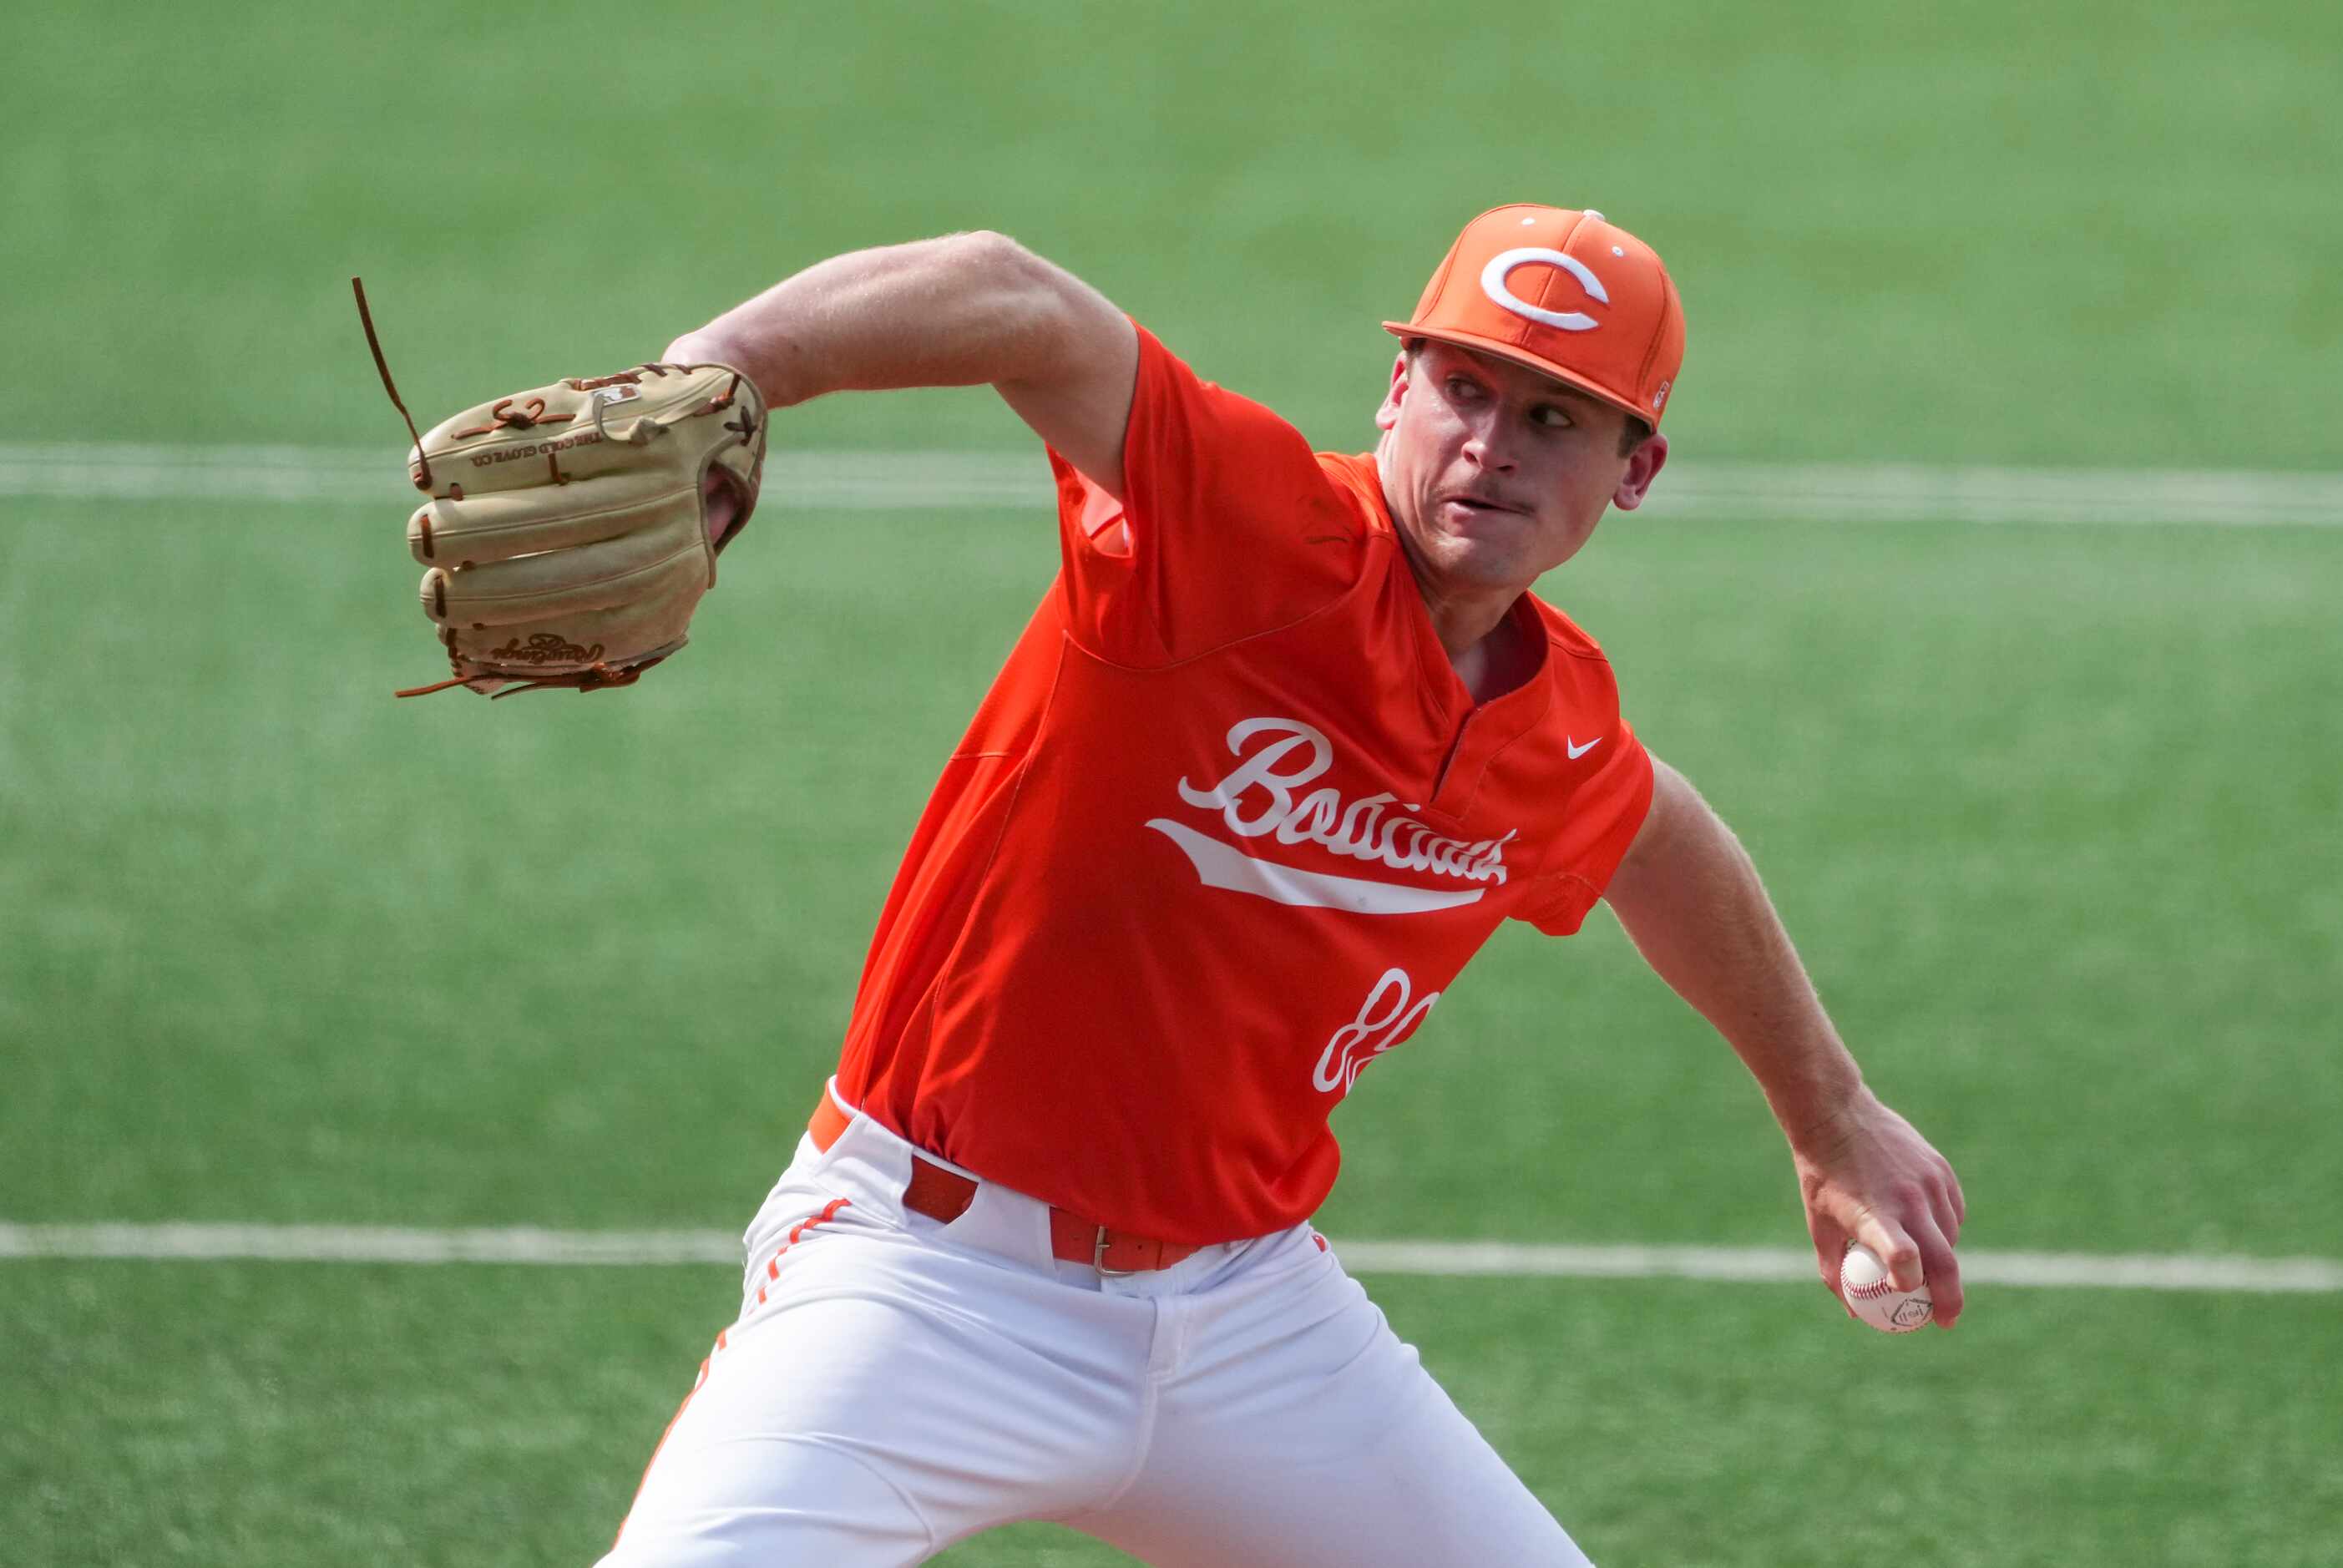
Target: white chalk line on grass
1510, 1260
937, 481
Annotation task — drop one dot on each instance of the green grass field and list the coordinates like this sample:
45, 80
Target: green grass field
2052, 810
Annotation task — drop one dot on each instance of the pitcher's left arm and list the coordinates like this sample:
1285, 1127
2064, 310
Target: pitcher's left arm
1690, 900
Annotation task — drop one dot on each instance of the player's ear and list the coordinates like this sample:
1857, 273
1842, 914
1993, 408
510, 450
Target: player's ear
1388, 415
1644, 466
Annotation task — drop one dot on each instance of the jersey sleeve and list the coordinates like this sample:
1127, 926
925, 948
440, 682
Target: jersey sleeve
1602, 817
1227, 527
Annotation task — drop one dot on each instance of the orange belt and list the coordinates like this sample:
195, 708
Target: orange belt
945, 1195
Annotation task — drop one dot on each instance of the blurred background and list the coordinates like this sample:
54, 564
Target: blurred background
1989, 594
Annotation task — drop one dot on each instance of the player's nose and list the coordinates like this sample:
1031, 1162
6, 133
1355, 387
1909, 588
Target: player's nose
1486, 448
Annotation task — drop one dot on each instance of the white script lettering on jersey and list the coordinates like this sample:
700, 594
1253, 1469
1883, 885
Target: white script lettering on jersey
1260, 800
1384, 1018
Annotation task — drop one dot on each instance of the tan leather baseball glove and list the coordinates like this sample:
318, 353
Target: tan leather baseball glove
566, 539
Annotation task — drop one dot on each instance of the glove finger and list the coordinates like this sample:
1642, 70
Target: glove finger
528, 459
533, 649
572, 433
497, 526
557, 583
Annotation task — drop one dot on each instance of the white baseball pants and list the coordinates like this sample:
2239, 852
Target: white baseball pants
894, 1386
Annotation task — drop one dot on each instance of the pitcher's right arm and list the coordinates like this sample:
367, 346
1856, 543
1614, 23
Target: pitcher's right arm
964, 310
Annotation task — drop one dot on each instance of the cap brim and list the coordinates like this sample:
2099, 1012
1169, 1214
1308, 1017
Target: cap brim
1527, 361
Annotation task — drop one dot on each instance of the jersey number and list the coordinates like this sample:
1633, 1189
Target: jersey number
1389, 1014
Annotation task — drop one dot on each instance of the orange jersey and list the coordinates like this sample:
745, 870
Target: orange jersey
1224, 828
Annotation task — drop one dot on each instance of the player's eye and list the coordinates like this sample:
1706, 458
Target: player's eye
1462, 390
1552, 415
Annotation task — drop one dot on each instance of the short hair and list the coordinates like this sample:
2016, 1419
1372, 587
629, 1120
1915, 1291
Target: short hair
1637, 431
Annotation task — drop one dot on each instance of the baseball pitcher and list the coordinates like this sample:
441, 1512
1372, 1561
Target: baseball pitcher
1285, 740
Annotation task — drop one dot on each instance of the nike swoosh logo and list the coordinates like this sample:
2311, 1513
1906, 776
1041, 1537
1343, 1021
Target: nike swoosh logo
1219, 866
1576, 750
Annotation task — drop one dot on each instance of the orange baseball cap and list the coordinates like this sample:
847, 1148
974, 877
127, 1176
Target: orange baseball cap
1568, 294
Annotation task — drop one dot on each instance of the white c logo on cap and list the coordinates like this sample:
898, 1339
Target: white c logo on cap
1493, 284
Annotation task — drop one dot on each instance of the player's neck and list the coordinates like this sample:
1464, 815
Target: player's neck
1484, 643
1476, 630
1498, 663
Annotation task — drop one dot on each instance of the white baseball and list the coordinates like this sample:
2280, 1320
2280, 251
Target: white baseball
1863, 1281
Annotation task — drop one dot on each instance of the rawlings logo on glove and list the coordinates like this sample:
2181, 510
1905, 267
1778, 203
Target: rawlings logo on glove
581, 566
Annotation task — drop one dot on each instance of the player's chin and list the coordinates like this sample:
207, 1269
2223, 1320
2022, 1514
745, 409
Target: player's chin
1476, 557
1478, 565
1487, 549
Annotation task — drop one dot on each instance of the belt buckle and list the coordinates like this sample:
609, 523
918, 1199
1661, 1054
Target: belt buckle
1098, 1259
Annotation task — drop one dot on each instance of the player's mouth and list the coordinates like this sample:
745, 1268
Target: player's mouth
1468, 506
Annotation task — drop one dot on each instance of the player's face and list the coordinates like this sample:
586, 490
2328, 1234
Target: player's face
1496, 474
